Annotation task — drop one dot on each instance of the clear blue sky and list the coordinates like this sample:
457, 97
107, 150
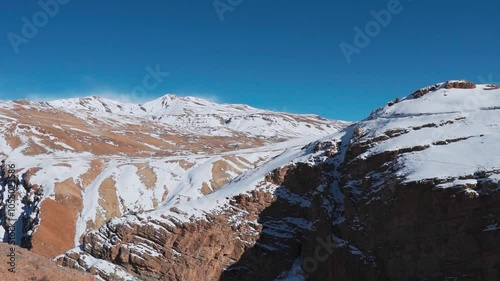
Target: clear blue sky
280, 55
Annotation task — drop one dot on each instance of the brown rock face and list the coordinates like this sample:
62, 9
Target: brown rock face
171, 250
285, 225
56, 234
418, 232
460, 85
422, 92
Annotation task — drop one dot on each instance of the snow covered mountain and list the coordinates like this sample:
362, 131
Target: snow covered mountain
92, 159
199, 116
410, 193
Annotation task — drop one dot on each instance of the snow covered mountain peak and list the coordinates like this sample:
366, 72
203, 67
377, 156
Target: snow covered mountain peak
174, 104
458, 89
433, 130
200, 116
168, 99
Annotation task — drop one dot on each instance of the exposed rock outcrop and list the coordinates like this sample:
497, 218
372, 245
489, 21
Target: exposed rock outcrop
461, 84
167, 249
452, 84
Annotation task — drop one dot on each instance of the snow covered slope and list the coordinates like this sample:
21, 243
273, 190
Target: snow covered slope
97, 159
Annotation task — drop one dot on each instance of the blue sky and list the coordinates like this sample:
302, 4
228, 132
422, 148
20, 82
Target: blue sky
279, 55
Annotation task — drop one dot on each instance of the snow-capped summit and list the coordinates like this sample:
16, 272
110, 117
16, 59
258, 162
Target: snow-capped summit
171, 104
176, 104
445, 120
199, 116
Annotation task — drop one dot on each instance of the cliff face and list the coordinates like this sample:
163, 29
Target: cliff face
165, 249
410, 193
421, 186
